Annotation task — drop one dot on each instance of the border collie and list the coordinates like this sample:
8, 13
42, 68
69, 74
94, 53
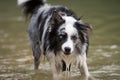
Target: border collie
57, 33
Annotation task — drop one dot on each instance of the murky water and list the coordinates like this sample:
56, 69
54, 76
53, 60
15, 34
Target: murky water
16, 62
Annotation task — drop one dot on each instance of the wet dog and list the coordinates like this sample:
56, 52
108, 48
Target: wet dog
57, 33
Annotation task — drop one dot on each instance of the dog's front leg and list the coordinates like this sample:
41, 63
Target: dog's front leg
55, 69
83, 68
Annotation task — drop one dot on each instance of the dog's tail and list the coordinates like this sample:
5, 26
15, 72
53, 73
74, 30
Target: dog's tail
30, 6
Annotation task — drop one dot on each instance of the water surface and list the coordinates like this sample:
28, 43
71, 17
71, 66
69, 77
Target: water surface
16, 62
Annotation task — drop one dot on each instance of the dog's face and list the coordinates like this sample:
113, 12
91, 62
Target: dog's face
67, 33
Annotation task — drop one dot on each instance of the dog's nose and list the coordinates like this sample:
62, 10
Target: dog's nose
67, 50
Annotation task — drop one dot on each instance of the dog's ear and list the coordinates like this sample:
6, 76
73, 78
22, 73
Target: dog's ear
83, 25
56, 18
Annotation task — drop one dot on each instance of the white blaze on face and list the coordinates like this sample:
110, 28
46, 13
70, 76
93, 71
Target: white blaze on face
70, 30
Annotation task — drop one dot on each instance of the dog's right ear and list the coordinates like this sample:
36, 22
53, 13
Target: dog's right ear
56, 18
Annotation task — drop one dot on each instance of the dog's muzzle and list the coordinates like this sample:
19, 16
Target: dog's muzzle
67, 50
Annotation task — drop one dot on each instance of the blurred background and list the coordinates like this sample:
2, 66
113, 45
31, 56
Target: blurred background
16, 61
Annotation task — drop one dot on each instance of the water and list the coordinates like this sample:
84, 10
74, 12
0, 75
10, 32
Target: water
16, 61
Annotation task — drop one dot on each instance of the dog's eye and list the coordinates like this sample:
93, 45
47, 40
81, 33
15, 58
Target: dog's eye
74, 37
62, 36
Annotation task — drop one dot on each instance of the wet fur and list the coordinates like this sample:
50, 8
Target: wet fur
45, 22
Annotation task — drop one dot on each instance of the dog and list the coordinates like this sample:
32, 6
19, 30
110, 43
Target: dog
57, 33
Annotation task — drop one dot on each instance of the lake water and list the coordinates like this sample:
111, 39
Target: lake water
16, 61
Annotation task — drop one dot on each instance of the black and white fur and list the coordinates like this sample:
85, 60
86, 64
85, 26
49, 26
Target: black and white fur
56, 32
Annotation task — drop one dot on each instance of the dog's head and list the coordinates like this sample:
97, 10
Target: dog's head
67, 33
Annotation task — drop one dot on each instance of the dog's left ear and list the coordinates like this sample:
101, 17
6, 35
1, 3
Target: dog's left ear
83, 25
56, 18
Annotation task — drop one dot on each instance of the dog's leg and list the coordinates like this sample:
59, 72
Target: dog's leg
56, 72
84, 71
36, 54
54, 66
83, 68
